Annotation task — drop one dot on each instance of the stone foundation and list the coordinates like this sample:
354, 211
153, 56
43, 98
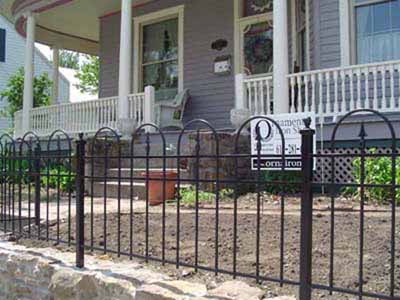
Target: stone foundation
227, 166
47, 274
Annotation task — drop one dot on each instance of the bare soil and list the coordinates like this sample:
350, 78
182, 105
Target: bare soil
377, 228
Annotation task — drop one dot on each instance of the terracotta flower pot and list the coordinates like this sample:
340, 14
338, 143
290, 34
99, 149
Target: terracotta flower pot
156, 186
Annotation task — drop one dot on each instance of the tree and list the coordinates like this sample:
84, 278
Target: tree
14, 92
88, 75
69, 59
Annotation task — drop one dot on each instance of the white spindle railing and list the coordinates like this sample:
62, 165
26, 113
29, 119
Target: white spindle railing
336, 91
136, 108
259, 95
86, 117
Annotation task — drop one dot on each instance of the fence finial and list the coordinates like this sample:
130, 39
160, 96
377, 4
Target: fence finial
307, 122
363, 134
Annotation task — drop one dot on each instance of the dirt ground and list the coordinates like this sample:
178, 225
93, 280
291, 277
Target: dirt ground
346, 254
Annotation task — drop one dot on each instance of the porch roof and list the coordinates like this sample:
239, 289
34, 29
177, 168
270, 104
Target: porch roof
67, 24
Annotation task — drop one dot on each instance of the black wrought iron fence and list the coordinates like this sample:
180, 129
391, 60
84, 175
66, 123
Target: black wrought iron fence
214, 214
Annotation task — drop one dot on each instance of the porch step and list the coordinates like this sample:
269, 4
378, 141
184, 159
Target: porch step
137, 172
140, 163
138, 190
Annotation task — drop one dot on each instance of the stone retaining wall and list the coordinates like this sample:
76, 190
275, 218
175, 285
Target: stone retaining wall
47, 274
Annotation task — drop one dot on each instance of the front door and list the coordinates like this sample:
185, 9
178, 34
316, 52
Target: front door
256, 45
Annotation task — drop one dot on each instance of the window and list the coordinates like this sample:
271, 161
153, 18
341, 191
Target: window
258, 48
2, 45
160, 58
377, 30
159, 62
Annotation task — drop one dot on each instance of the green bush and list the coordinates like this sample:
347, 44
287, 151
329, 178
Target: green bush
292, 181
188, 196
378, 170
51, 176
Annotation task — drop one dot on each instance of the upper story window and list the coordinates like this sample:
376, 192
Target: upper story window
377, 30
2, 45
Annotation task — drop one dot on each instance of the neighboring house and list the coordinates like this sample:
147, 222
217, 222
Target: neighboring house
12, 56
75, 95
236, 57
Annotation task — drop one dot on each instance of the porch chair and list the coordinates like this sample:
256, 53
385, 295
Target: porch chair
170, 113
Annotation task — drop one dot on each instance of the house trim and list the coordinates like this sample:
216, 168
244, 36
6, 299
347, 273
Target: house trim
345, 32
152, 18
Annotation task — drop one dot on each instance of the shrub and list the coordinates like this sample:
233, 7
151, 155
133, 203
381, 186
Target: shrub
188, 196
51, 176
14, 91
378, 170
291, 181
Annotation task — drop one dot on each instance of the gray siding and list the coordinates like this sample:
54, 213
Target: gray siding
212, 96
109, 55
325, 34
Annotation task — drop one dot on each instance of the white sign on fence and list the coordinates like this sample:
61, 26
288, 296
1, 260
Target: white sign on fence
271, 141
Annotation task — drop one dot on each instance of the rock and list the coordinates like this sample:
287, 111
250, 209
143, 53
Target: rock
155, 292
184, 287
63, 285
283, 298
187, 272
237, 290
114, 288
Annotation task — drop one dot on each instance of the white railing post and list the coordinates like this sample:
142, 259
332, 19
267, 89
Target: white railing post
28, 71
241, 112
149, 104
56, 73
240, 95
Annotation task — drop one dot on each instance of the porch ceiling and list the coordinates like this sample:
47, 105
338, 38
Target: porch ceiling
69, 24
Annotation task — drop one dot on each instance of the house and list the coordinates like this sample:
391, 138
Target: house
236, 58
12, 53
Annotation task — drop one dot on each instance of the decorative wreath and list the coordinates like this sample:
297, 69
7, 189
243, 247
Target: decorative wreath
258, 49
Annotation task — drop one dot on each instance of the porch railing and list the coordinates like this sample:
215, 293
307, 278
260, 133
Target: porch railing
88, 116
259, 94
330, 92
337, 91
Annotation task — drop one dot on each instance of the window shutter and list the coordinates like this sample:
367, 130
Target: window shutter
2, 45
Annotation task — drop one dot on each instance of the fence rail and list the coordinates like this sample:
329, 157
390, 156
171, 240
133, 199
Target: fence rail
44, 183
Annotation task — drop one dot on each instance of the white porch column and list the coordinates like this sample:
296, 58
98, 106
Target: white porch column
29, 71
125, 58
281, 57
56, 73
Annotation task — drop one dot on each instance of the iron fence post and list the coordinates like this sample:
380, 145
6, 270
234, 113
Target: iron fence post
37, 182
306, 219
80, 198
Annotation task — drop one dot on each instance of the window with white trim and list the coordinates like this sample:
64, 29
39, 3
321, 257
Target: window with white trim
376, 30
160, 58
